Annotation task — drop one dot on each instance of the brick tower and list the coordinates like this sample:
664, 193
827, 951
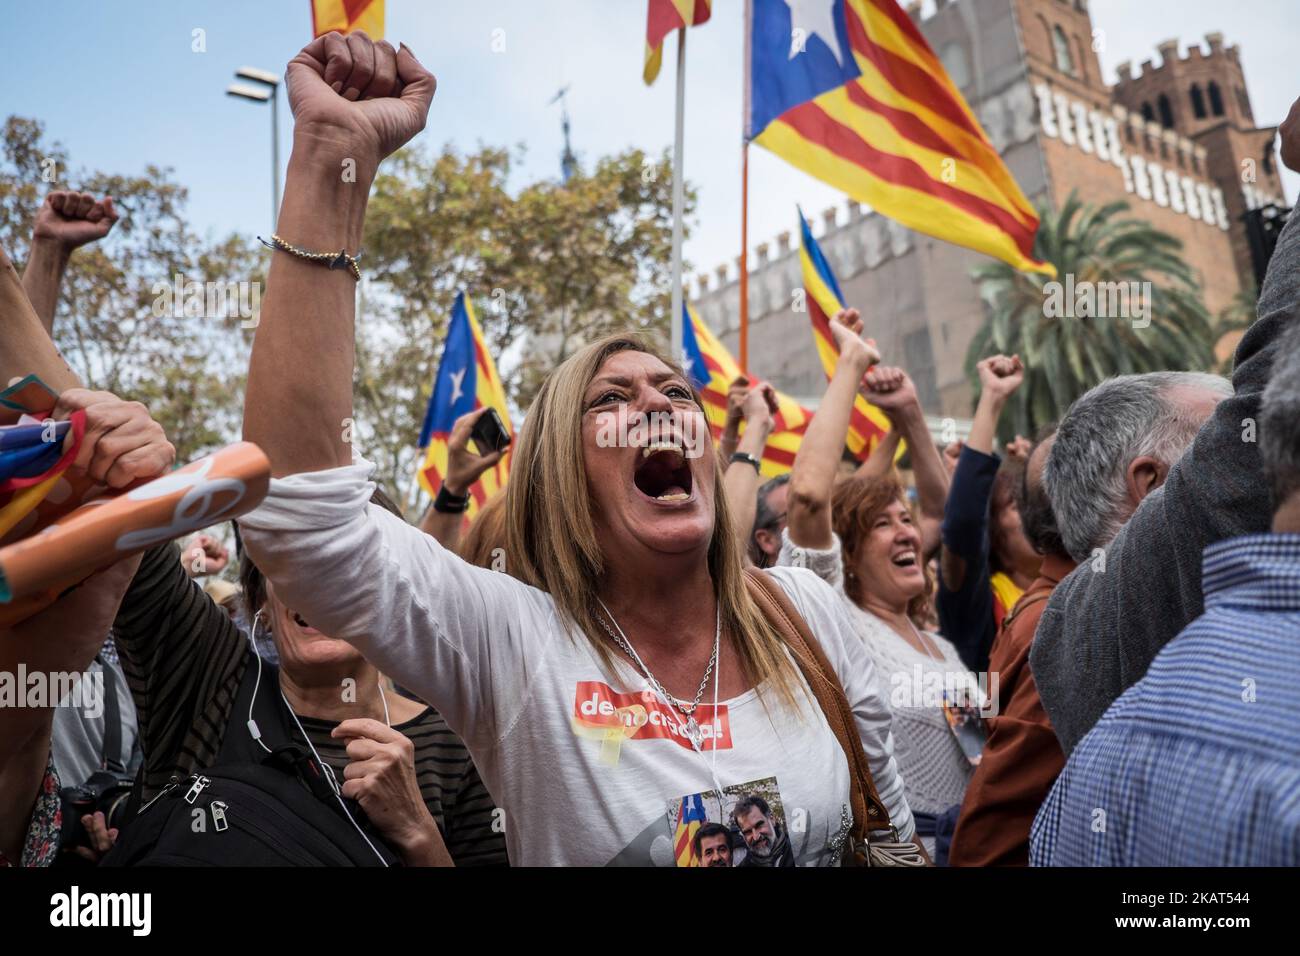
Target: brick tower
1203, 96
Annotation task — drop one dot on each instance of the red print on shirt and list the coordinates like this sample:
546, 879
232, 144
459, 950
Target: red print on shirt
642, 716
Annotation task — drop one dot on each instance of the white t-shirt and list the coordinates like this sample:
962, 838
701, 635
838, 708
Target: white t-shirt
586, 767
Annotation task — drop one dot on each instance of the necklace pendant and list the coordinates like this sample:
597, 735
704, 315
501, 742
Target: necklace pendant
693, 732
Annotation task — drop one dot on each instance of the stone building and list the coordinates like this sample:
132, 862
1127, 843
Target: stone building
1177, 141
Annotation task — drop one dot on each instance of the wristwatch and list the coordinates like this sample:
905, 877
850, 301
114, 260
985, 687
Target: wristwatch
748, 459
450, 504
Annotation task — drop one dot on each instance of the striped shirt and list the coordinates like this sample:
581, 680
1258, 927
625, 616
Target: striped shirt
184, 659
1198, 763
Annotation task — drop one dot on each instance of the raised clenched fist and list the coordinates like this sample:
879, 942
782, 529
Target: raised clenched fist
846, 330
363, 96
890, 389
1000, 375
73, 219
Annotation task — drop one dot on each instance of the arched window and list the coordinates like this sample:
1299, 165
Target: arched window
1061, 46
1198, 101
1166, 112
1148, 113
1216, 99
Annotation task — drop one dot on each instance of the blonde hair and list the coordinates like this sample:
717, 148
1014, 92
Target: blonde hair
550, 531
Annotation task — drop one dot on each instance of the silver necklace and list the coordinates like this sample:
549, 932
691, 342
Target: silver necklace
691, 726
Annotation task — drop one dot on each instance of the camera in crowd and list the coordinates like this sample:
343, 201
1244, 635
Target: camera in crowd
104, 792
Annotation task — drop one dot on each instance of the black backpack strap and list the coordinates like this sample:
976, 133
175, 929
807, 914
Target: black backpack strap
111, 757
276, 730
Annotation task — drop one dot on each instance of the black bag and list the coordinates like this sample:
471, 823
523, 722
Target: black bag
251, 808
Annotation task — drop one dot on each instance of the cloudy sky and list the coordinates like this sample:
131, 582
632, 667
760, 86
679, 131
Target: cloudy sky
119, 85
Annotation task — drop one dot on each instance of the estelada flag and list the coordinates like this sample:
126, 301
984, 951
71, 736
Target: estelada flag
35, 454
467, 380
712, 370
849, 91
690, 817
868, 424
346, 16
662, 18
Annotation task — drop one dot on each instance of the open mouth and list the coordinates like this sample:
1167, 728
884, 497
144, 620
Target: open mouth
662, 473
904, 559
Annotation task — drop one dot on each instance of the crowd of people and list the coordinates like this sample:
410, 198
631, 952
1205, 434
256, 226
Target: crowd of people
1078, 651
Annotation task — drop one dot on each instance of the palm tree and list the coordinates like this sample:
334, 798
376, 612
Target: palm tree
1064, 357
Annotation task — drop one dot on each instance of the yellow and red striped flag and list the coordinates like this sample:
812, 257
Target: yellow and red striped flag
690, 817
662, 18
346, 16
860, 101
467, 380
712, 370
868, 424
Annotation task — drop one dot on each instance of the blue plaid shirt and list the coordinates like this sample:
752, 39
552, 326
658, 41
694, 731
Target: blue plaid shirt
1198, 763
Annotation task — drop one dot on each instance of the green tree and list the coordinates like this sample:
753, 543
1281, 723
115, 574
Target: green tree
114, 324
1064, 357
548, 268
548, 265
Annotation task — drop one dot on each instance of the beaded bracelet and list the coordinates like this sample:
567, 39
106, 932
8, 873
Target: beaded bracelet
331, 260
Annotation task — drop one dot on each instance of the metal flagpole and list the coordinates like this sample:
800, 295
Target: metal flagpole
744, 258
678, 178
743, 278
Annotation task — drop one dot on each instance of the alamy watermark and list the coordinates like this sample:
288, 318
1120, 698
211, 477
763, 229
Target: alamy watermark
633, 429
53, 689
184, 298
931, 688
1098, 300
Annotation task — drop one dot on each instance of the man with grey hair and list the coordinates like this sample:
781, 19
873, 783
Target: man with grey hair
1222, 690
1116, 444
1102, 628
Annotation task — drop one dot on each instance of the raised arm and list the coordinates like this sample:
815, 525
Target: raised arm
966, 515
742, 478
354, 102
892, 391
464, 468
729, 440
65, 222
25, 344
965, 597
812, 481
881, 460
456, 635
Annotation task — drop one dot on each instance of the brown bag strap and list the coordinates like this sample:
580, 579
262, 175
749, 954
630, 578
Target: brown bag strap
869, 812
1021, 605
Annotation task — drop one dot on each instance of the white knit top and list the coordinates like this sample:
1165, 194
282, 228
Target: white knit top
934, 769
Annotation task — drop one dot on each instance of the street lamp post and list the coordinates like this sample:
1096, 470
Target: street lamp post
261, 94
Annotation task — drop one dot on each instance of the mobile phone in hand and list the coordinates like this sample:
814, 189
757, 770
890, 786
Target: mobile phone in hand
489, 433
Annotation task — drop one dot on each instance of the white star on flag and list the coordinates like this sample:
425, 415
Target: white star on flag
814, 17
456, 390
